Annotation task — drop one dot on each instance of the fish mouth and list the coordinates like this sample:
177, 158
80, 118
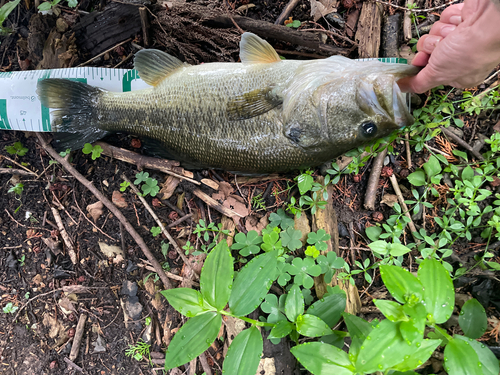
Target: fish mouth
402, 115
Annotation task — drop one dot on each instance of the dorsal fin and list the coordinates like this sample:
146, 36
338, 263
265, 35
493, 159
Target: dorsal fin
254, 50
154, 65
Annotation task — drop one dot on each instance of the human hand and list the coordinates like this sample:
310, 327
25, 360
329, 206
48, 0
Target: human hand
460, 50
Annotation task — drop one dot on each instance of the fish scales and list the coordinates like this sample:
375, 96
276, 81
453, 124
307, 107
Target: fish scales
262, 115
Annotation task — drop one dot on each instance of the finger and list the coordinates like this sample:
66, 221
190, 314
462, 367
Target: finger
442, 29
420, 59
425, 80
452, 14
428, 43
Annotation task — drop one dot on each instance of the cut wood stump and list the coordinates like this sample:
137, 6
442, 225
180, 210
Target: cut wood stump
369, 29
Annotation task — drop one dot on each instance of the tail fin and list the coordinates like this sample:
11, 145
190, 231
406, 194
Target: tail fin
75, 119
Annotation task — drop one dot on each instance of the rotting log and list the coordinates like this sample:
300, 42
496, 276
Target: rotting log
390, 35
369, 29
99, 31
327, 219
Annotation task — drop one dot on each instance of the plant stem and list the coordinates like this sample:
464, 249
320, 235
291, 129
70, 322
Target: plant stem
248, 320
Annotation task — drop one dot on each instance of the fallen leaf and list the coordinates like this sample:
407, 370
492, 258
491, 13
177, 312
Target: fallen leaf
253, 223
496, 180
389, 199
236, 205
225, 188
322, 7
169, 187
53, 245
37, 279
497, 127
118, 200
66, 305
56, 329
95, 210
112, 251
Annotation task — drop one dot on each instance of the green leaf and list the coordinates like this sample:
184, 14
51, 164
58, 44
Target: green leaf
96, 152
294, 304
486, 357
291, 238
274, 308
192, 339
323, 359
319, 239
439, 293
330, 307
461, 359
252, 283
72, 3
379, 247
402, 285
472, 319
243, 355
187, 301
432, 167
413, 329
417, 178
373, 233
303, 269
248, 243
305, 182
140, 177
280, 218
383, 348
7, 9
216, 279
468, 173
87, 148
281, 329
359, 329
312, 326
391, 310
418, 357
397, 250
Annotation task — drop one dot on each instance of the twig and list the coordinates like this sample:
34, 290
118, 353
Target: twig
178, 221
332, 33
285, 13
395, 186
18, 164
407, 21
461, 142
125, 314
145, 26
123, 61
103, 53
371, 189
173, 276
216, 205
72, 364
408, 150
438, 151
204, 363
78, 337
137, 238
64, 235
416, 10
162, 227
232, 19
16, 171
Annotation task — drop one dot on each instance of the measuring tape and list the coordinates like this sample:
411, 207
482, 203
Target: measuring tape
20, 108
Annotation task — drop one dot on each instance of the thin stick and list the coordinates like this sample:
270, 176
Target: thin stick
72, 364
18, 164
401, 200
285, 13
178, 221
371, 189
64, 235
172, 276
78, 337
103, 53
162, 227
329, 32
137, 238
461, 142
16, 171
204, 363
216, 205
232, 19
416, 10
408, 150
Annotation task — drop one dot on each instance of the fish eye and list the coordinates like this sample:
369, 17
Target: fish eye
369, 129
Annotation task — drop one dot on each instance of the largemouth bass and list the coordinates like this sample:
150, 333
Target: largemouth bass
262, 115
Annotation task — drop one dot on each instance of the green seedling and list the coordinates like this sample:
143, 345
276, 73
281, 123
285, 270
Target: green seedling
10, 308
21, 261
150, 185
17, 148
5, 10
17, 189
124, 185
96, 150
52, 4
294, 24
139, 351
155, 231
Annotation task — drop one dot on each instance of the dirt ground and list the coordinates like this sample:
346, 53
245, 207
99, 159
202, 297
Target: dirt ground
35, 266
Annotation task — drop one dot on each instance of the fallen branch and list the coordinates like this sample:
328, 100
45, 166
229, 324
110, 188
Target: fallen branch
401, 200
137, 238
78, 337
216, 205
461, 142
415, 10
371, 189
162, 227
65, 236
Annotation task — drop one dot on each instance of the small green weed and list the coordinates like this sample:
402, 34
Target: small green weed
17, 189
5, 10
150, 185
155, 231
9, 308
47, 5
139, 351
21, 260
17, 148
96, 150
124, 185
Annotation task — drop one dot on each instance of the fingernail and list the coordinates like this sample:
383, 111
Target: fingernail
456, 20
430, 42
447, 29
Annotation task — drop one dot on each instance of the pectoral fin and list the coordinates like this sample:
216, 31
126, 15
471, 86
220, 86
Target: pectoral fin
253, 103
254, 50
154, 65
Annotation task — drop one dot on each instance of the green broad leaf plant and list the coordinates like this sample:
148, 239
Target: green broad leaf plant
398, 344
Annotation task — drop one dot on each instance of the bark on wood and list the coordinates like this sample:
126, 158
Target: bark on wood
216, 205
327, 219
390, 35
285, 13
352, 21
268, 31
407, 22
78, 337
369, 29
372, 188
65, 236
145, 26
99, 31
